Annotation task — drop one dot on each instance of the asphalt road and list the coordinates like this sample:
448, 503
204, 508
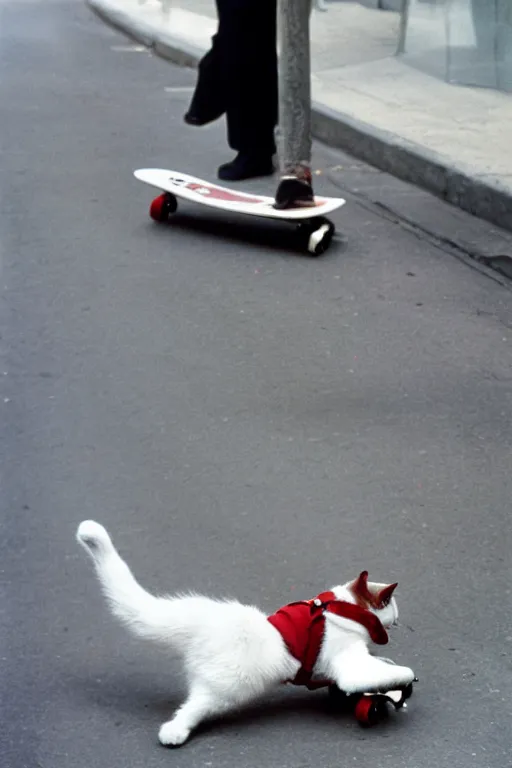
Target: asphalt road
244, 420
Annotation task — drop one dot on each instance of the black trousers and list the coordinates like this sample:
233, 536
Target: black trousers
238, 76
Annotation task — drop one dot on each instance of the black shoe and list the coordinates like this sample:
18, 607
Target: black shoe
246, 167
294, 193
196, 118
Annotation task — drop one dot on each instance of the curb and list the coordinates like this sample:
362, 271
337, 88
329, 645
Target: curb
388, 152
137, 30
168, 47
414, 164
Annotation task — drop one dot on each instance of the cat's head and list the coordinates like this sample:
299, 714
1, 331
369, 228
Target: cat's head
375, 597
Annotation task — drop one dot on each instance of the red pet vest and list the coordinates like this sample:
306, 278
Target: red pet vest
302, 624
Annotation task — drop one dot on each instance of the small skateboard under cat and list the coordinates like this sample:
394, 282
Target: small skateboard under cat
315, 230
370, 709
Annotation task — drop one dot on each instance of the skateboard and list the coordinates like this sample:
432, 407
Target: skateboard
370, 709
315, 230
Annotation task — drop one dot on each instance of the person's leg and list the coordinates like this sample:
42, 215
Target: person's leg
247, 39
209, 99
295, 186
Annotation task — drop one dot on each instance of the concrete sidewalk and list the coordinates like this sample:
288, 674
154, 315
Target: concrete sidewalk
448, 139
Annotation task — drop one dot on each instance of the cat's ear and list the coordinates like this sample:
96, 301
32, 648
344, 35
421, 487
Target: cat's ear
384, 596
360, 589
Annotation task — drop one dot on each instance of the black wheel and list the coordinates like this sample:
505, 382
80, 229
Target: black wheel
317, 234
171, 202
340, 701
408, 692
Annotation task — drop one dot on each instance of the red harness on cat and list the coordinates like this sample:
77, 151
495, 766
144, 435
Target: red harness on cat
302, 625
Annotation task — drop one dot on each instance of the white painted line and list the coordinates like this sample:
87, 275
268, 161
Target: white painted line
128, 48
179, 89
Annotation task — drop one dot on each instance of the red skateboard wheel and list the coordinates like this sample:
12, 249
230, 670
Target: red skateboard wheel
370, 710
162, 207
157, 209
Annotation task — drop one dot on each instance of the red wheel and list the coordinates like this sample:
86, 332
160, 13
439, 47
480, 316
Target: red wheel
370, 710
162, 207
157, 209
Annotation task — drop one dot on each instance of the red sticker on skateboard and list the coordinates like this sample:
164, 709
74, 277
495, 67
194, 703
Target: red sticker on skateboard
219, 193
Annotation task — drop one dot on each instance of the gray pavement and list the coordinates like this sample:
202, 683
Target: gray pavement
382, 108
244, 420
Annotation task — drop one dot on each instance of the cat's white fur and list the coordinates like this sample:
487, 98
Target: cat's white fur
231, 653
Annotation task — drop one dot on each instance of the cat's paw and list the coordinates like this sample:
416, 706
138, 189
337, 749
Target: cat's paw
405, 677
397, 679
93, 537
173, 734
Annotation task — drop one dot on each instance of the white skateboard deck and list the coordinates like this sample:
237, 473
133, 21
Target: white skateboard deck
203, 192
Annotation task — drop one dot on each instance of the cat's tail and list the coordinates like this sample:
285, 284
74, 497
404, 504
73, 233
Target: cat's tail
154, 618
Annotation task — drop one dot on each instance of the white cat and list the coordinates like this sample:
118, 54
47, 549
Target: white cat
233, 653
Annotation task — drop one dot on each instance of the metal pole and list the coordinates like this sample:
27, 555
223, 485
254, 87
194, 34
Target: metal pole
294, 98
